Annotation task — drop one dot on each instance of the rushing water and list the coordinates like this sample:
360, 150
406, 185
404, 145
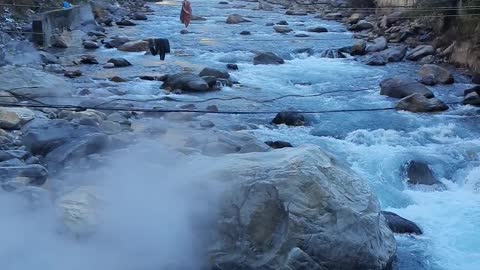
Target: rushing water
375, 144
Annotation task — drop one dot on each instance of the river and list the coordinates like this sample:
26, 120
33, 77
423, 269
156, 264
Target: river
375, 144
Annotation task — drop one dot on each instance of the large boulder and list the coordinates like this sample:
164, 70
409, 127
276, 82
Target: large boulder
436, 73
235, 18
401, 86
186, 81
400, 225
43, 135
134, 46
419, 52
379, 44
32, 83
419, 103
289, 118
359, 48
419, 173
78, 211
305, 209
267, 58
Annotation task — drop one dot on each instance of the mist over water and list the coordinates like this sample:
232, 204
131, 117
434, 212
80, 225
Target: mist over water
154, 210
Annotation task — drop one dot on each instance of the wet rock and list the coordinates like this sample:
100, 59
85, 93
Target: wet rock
91, 45
125, 23
437, 73
232, 66
212, 108
333, 16
401, 86
139, 16
418, 173
35, 174
282, 29
188, 82
235, 19
32, 83
379, 44
48, 58
119, 62
13, 154
302, 35
198, 18
400, 225
318, 29
223, 3
211, 81
267, 58
269, 24
215, 73
359, 48
86, 60
254, 146
206, 124
295, 13
360, 26
419, 52
355, 18
134, 46
43, 135
109, 65
419, 103
96, 34
54, 68
83, 146
472, 96
7, 97
116, 42
184, 32
14, 118
376, 60
58, 42
289, 118
72, 73
78, 211
278, 144
245, 33
299, 206
265, 6
395, 54
117, 79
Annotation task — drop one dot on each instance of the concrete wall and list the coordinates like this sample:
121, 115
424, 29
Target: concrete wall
51, 22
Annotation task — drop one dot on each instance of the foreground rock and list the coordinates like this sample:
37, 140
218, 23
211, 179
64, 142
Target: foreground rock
32, 83
235, 19
267, 58
435, 74
401, 225
305, 210
134, 46
419, 103
14, 118
401, 86
186, 81
289, 119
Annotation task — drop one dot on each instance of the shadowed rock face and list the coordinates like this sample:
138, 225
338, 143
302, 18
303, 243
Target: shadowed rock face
399, 224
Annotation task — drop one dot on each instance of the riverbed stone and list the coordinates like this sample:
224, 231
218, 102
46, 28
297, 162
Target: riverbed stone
125, 23
58, 41
359, 47
376, 60
318, 29
289, 118
186, 81
139, 16
295, 13
86, 60
401, 225
14, 118
245, 33
401, 86
379, 44
395, 54
119, 62
419, 173
419, 52
32, 83
134, 46
437, 73
419, 103
236, 18
278, 144
34, 174
282, 29
214, 72
267, 58
472, 96
232, 66
116, 42
48, 58
360, 26
72, 73
90, 45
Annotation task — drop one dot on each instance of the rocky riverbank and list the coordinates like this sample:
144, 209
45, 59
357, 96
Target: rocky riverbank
279, 207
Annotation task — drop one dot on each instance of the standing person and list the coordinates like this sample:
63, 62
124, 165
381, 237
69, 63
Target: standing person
186, 13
